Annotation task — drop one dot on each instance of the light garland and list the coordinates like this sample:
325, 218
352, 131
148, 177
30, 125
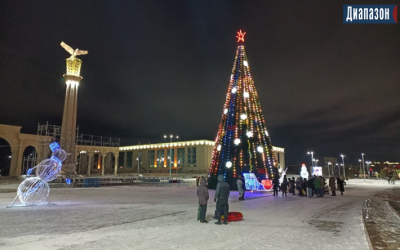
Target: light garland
237, 141
35, 190
242, 144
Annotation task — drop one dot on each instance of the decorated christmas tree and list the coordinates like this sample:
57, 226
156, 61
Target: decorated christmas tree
243, 144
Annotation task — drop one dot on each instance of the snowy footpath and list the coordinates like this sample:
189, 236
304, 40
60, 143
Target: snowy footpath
129, 217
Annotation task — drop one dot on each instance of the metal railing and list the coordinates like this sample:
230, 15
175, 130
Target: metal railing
119, 181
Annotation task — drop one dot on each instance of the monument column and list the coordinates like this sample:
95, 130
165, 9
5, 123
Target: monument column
68, 129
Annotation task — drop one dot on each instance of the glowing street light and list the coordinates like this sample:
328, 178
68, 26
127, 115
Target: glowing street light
362, 154
337, 166
329, 172
360, 167
344, 171
312, 160
316, 164
138, 165
170, 153
369, 175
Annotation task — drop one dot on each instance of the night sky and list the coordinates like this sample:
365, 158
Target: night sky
158, 67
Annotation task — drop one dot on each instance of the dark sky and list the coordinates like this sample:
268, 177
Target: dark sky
158, 67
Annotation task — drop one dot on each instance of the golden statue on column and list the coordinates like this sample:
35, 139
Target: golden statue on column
68, 130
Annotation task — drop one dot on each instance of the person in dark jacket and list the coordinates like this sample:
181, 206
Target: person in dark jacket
240, 187
221, 198
332, 185
293, 186
310, 188
299, 181
340, 184
202, 193
318, 186
276, 184
304, 187
284, 187
323, 183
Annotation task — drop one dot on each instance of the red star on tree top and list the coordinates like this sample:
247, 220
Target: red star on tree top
240, 36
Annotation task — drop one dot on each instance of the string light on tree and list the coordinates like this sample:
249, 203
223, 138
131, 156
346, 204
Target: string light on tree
237, 141
242, 137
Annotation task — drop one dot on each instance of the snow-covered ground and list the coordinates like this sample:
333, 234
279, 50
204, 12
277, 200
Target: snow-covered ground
129, 217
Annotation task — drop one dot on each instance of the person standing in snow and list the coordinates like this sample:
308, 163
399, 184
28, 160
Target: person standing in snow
310, 188
332, 185
293, 186
284, 186
239, 184
340, 184
304, 187
221, 198
202, 193
197, 181
317, 185
276, 184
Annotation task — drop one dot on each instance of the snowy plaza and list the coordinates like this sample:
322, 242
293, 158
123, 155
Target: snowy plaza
132, 217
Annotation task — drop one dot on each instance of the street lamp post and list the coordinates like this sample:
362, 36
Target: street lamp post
329, 172
138, 163
316, 164
337, 166
344, 168
360, 168
312, 160
170, 153
362, 154
369, 174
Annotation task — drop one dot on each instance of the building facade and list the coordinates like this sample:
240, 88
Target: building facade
192, 157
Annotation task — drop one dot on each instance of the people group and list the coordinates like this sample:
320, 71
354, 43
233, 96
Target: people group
221, 198
392, 179
315, 185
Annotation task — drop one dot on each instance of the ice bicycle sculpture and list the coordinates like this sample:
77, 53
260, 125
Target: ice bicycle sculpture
35, 190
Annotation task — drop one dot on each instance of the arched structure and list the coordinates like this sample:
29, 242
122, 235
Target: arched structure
18, 143
104, 156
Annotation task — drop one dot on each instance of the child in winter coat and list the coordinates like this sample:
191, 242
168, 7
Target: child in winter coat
202, 193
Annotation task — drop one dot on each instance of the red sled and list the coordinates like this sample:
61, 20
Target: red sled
234, 216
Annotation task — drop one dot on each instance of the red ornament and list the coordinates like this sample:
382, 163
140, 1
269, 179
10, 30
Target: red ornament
240, 36
267, 184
